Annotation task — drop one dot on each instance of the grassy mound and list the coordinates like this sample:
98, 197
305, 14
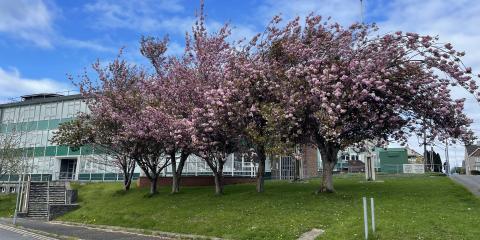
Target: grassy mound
407, 207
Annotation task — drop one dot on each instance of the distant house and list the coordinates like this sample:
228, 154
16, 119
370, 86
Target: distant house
414, 156
352, 159
472, 158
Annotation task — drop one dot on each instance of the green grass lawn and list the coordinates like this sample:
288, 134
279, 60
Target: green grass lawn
416, 207
7, 205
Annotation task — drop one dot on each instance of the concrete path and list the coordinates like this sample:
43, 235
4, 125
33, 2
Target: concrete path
77, 232
472, 183
8, 232
311, 235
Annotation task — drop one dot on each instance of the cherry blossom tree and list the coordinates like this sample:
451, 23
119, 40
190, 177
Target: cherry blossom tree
251, 101
11, 155
172, 93
118, 103
339, 86
187, 99
88, 131
217, 132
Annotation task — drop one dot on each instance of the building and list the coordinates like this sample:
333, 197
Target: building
413, 156
36, 117
472, 158
353, 159
392, 159
285, 167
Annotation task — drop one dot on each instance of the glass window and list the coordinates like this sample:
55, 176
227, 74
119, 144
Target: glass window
65, 109
39, 151
8, 115
50, 151
49, 111
42, 125
50, 134
62, 151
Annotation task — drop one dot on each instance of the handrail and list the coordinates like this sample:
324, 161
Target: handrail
27, 193
65, 186
48, 201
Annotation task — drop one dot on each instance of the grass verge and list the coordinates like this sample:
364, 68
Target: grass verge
7, 205
407, 207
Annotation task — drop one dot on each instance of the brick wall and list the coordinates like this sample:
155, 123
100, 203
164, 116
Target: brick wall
194, 181
310, 164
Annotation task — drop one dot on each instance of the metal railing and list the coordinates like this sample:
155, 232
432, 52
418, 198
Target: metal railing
40, 177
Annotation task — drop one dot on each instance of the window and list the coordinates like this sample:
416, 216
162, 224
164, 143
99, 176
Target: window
49, 111
8, 115
73, 107
27, 114
12, 189
3, 189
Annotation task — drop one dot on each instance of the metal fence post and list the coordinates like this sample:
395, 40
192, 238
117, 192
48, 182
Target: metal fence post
233, 164
372, 209
365, 217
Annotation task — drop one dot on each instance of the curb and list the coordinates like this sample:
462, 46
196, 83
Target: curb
45, 234
138, 231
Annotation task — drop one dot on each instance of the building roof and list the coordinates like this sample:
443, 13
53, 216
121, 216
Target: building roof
40, 95
471, 149
40, 98
411, 152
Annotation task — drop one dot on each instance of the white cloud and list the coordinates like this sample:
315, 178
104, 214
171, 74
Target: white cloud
30, 21
149, 16
86, 44
454, 21
12, 85
342, 11
136, 15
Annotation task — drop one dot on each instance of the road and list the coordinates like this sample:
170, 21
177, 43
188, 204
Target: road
76, 232
11, 233
472, 183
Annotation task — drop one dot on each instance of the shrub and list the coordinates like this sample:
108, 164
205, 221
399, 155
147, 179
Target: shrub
475, 172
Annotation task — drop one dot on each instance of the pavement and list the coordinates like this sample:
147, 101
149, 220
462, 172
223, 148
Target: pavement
64, 231
472, 183
8, 232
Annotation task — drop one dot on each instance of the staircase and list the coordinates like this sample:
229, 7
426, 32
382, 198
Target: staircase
40, 193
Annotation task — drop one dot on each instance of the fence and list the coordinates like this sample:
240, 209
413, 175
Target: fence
88, 177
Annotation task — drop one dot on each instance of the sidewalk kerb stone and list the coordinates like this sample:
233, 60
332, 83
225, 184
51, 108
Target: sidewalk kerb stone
145, 232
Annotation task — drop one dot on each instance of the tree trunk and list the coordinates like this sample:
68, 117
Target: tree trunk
153, 185
329, 153
128, 175
126, 184
127, 179
175, 179
177, 172
181, 164
261, 169
219, 178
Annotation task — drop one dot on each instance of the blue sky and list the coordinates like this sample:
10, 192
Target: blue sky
41, 41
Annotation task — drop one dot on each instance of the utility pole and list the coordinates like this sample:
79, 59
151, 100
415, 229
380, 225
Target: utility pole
361, 12
447, 160
432, 165
424, 148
